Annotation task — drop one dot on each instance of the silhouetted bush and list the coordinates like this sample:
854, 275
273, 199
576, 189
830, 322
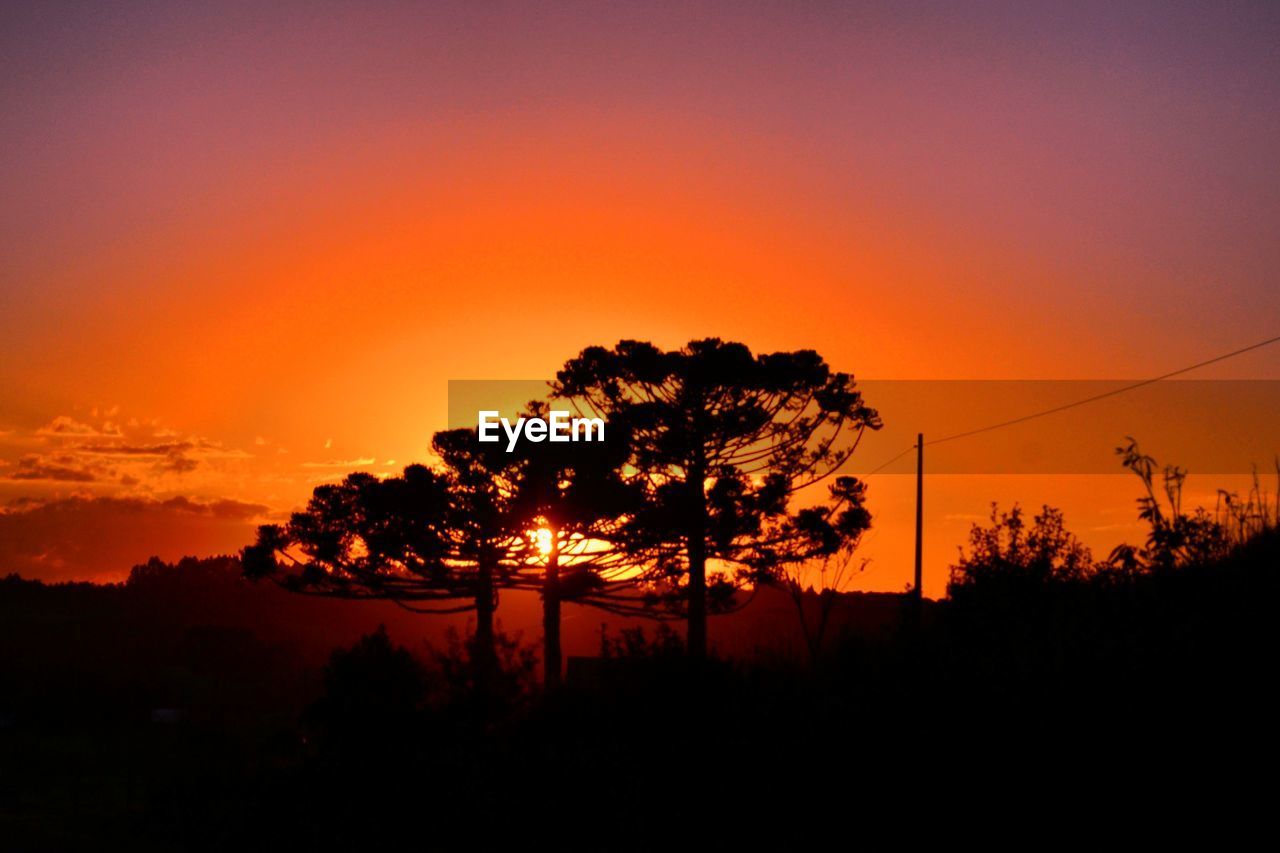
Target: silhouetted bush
479, 691
374, 696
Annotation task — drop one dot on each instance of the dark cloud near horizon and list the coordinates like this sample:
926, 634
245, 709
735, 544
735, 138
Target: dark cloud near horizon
61, 468
217, 508
101, 538
137, 449
102, 451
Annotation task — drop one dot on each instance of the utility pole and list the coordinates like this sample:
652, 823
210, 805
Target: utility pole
918, 588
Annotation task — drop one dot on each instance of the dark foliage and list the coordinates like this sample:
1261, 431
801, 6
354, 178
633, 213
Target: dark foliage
374, 694
1157, 687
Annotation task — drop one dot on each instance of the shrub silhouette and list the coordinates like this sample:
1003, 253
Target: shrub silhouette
374, 694
1009, 553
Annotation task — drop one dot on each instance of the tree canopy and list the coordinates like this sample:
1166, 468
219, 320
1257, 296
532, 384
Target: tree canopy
721, 440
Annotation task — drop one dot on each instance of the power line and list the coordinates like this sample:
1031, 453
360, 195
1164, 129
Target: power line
1086, 400
880, 468
1104, 395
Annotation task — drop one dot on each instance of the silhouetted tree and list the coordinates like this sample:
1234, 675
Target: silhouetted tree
433, 541
819, 579
1009, 554
721, 440
449, 540
478, 692
573, 500
543, 519
483, 528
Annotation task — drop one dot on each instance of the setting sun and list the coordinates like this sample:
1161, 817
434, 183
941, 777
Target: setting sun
543, 539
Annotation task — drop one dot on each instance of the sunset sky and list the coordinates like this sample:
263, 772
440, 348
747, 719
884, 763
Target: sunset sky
247, 245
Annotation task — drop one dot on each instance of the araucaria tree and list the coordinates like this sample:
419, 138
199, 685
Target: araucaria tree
722, 440
434, 541
544, 518
447, 540
576, 500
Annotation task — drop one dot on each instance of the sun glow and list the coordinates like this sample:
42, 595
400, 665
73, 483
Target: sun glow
542, 538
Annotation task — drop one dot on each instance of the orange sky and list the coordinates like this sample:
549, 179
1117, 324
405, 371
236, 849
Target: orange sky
254, 245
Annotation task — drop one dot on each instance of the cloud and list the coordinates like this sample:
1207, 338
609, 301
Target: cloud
225, 508
342, 463
68, 427
85, 490
125, 464
141, 453
176, 461
162, 449
62, 467
100, 538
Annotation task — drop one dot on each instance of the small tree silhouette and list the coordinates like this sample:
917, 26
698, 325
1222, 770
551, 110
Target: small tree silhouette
821, 579
1010, 555
721, 440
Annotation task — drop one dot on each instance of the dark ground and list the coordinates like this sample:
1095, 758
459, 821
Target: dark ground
1041, 713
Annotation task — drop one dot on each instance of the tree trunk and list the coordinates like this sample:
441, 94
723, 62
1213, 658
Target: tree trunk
552, 658
485, 658
696, 544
